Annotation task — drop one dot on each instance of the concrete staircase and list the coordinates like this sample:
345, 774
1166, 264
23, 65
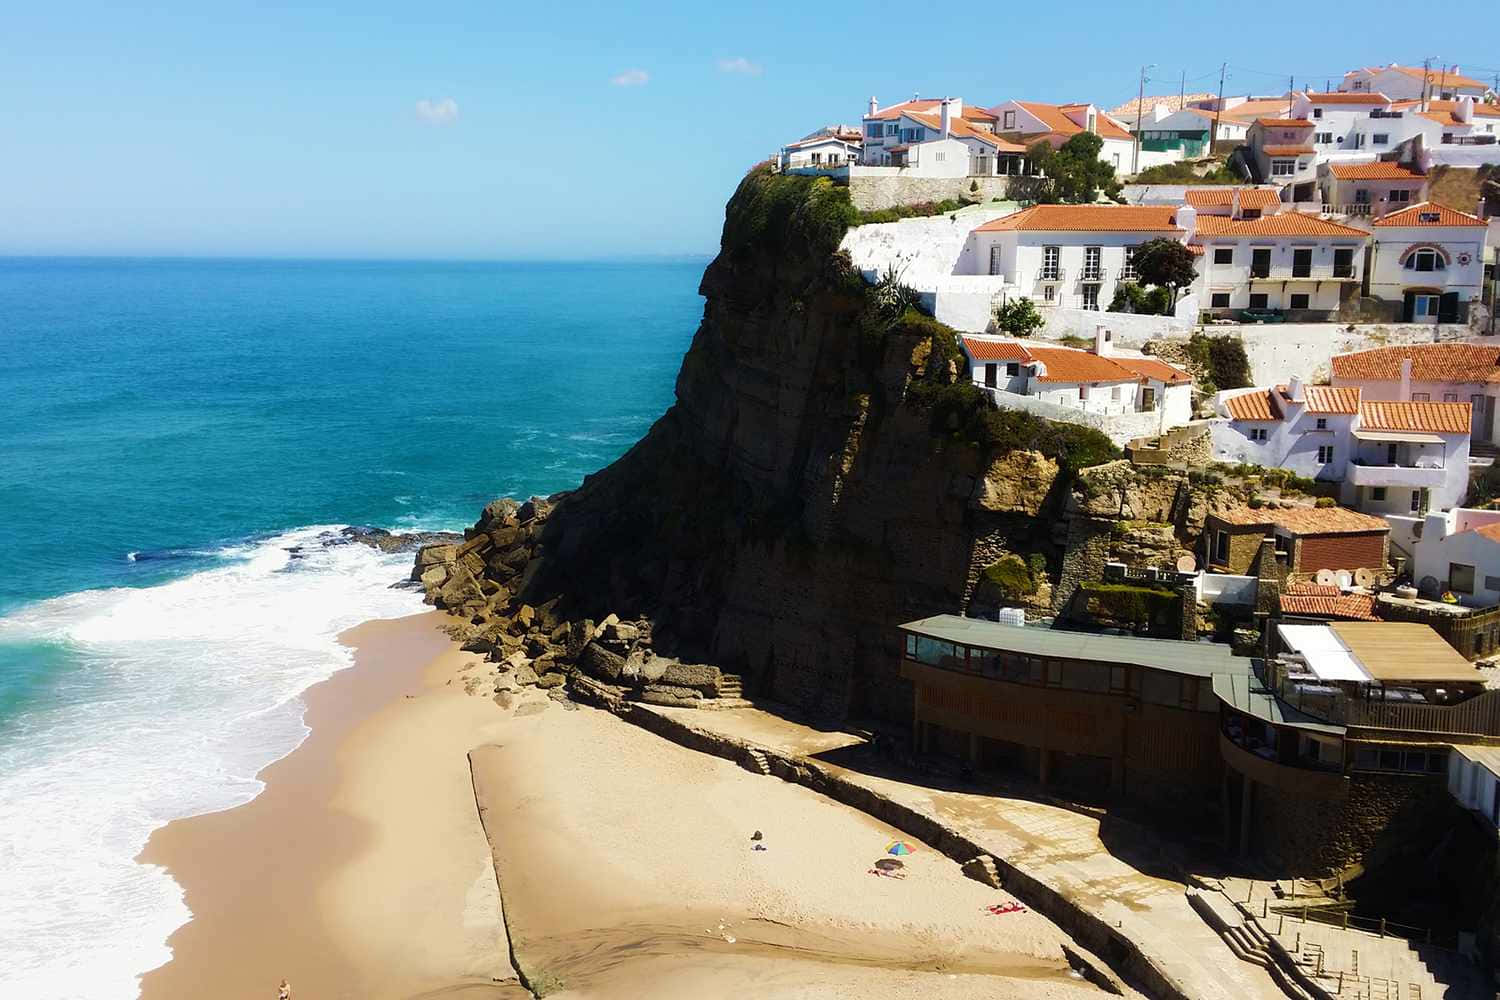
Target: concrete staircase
1249, 942
731, 686
982, 869
755, 762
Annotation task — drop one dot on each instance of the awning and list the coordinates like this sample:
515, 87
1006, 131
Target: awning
1326, 655
1414, 437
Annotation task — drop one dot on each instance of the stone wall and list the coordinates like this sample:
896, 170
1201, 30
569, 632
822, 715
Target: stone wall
872, 193
1130, 329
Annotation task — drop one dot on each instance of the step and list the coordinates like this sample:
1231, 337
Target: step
982, 869
755, 762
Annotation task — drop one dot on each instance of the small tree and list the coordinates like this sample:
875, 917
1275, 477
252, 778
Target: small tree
1018, 317
1074, 171
1167, 264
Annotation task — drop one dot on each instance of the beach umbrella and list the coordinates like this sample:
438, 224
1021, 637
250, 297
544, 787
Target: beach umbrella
899, 847
888, 864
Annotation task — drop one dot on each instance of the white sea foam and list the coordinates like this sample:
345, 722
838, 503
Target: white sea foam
177, 696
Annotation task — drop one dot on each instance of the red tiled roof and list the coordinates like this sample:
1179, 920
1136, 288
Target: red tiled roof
1286, 150
1252, 406
1250, 197
1087, 218
1384, 170
1307, 588
1327, 399
1055, 118
1247, 111
1439, 418
961, 129
897, 110
1284, 123
1429, 363
1306, 520
1151, 368
1437, 76
1445, 216
1358, 607
1490, 531
1065, 364
1280, 224
1342, 97
995, 350
1481, 110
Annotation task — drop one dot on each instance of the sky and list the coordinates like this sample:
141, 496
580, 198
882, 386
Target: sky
546, 130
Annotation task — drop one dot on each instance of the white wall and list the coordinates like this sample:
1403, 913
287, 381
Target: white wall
1119, 429
1130, 329
1472, 785
1234, 277
1389, 280
1020, 256
1226, 588
1447, 538
1290, 444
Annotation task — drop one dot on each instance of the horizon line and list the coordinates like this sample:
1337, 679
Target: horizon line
342, 259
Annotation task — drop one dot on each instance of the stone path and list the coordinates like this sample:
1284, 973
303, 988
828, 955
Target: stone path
1059, 847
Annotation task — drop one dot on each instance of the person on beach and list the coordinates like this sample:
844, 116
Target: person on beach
284, 991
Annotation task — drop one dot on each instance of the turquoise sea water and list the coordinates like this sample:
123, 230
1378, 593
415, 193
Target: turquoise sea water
179, 441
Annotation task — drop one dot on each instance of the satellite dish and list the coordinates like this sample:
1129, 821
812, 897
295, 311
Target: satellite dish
1429, 586
1344, 577
1326, 578
1364, 576
1187, 564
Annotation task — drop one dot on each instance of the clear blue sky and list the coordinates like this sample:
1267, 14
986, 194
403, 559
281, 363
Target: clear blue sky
548, 129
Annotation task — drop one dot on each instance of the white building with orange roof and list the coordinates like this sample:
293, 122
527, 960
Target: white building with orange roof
1413, 82
1283, 154
1390, 457
1458, 551
1427, 263
1123, 395
894, 135
1028, 122
1451, 372
1301, 265
829, 150
1369, 189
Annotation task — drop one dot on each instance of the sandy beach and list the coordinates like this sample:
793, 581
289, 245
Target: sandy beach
368, 866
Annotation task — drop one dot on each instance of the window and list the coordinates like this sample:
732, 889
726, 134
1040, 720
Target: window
1398, 196
1091, 296
1301, 262
1325, 454
1492, 583
1009, 120
1343, 262
1447, 138
1380, 139
1421, 397
1424, 307
1283, 168
1114, 394
1013, 369
1324, 138
1317, 112
1299, 300
874, 130
1091, 258
1219, 300
1260, 262
1051, 256
1460, 577
893, 129
1221, 546
1223, 255
1418, 505
1258, 300
1322, 423
1049, 294
1257, 434
1128, 271
1450, 397
1425, 259
1377, 494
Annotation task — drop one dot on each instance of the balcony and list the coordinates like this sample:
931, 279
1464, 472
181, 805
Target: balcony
1322, 272
1410, 476
1468, 140
1049, 275
1128, 273
1094, 273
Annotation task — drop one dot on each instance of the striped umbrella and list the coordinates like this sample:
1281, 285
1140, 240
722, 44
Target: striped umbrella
899, 847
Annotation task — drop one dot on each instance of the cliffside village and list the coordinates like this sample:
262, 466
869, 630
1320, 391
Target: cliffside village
1344, 585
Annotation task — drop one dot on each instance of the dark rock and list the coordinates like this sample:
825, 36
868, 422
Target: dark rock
385, 541
698, 676
551, 680
600, 662
621, 632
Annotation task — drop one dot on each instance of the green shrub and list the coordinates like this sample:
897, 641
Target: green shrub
1182, 172
917, 210
1129, 603
1325, 502
1011, 576
1222, 359
1073, 340
787, 212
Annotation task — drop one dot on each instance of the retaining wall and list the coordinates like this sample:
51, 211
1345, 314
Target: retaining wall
887, 190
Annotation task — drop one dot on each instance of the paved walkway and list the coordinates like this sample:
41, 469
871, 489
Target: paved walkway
1059, 847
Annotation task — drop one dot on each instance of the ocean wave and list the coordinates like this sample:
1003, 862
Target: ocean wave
177, 696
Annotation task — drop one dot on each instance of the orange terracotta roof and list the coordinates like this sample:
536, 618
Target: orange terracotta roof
1438, 76
1356, 607
1248, 111
1055, 118
1252, 406
1327, 399
1087, 218
1284, 122
897, 110
1444, 118
1342, 97
995, 350
1437, 418
1306, 588
1151, 368
975, 113
1250, 197
961, 129
1064, 364
1481, 110
1280, 224
1429, 363
1383, 170
1490, 531
1286, 150
1444, 216
1305, 520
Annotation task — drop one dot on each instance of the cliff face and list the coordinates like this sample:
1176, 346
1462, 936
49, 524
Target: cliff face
795, 503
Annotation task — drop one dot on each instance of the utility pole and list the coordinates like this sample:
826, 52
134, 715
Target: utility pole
1426, 80
1182, 92
1443, 79
1218, 110
1140, 106
1291, 86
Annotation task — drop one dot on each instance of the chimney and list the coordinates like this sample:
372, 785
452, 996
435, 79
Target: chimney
945, 116
1464, 110
1103, 341
1186, 219
1234, 204
874, 105
1294, 389
1405, 393
1479, 209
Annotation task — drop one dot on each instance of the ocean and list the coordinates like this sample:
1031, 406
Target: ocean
180, 443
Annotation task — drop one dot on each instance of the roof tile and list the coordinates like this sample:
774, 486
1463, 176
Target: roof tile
1250, 197
1383, 170
1280, 224
1429, 363
1429, 213
1087, 218
995, 350
1440, 418
1359, 607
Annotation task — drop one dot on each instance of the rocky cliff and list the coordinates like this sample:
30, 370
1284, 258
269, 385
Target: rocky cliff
823, 475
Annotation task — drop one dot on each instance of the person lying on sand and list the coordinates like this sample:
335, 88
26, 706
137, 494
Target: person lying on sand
284, 991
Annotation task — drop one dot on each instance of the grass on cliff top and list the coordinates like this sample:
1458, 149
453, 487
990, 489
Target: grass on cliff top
787, 212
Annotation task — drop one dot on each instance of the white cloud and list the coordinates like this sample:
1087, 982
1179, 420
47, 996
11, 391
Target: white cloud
739, 64
439, 112
630, 78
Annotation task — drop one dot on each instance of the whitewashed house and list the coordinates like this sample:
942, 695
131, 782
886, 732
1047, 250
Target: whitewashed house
1369, 189
1412, 82
828, 150
1284, 155
1451, 373
1126, 395
1071, 255
1458, 551
1303, 265
1027, 122
938, 138
1189, 133
1390, 457
1427, 263
1240, 202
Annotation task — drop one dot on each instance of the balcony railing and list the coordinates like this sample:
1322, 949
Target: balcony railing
1052, 274
1377, 113
1129, 273
1094, 273
1362, 473
1324, 272
1469, 140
